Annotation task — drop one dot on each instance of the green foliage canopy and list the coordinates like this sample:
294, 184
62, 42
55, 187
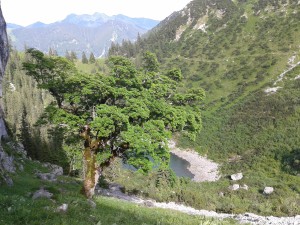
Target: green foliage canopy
130, 113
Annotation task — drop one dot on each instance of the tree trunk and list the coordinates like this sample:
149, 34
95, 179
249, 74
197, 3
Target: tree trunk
92, 172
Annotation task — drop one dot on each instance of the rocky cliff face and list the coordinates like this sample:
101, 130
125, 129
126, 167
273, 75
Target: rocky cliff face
3, 60
6, 161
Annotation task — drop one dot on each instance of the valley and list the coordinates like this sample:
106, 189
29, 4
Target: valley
219, 78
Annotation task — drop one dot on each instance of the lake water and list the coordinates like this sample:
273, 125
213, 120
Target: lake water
180, 166
177, 164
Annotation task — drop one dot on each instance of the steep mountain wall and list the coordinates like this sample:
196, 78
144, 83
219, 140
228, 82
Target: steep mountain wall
6, 161
3, 60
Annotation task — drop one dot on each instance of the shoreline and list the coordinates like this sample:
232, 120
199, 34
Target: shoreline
202, 168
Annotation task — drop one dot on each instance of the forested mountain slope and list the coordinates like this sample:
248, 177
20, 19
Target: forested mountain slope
226, 46
246, 55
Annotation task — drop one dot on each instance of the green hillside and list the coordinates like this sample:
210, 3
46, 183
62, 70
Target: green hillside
17, 205
246, 55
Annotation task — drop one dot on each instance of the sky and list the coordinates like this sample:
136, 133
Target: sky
26, 12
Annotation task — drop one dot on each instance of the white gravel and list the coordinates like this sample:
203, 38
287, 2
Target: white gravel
202, 168
248, 218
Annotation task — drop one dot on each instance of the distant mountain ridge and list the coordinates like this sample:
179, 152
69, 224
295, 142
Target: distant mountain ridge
78, 33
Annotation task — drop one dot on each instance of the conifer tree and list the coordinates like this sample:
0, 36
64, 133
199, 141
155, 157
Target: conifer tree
84, 59
92, 58
68, 56
73, 56
50, 52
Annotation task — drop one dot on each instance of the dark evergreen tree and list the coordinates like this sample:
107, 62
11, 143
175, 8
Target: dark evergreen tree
25, 137
50, 52
73, 56
92, 58
84, 59
68, 56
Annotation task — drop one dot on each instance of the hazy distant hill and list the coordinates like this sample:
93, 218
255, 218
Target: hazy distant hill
89, 33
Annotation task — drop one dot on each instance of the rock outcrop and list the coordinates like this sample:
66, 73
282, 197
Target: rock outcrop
6, 162
4, 52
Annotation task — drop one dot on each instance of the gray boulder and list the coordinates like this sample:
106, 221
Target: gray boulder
42, 193
237, 176
234, 187
46, 176
62, 208
268, 190
55, 169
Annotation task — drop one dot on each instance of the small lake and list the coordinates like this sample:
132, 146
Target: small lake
180, 166
177, 164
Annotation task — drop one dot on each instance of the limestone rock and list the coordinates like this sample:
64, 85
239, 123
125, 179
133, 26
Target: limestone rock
149, 203
5, 161
237, 176
245, 187
234, 187
55, 169
4, 52
63, 208
268, 190
46, 176
52, 175
42, 193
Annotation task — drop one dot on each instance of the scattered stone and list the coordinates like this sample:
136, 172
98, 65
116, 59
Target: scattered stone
245, 187
92, 203
52, 175
234, 187
235, 158
272, 90
55, 169
18, 147
20, 167
42, 193
62, 208
268, 190
9, 182
237, 176
149, 203
46, 176
115, 187
221, 194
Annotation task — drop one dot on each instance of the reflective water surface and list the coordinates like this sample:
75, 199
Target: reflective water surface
180, 166
177, 164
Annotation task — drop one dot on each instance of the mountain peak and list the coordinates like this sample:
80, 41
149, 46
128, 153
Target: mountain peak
99, 31
37, 24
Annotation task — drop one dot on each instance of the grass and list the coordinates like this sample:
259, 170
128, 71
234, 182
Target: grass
18, 208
